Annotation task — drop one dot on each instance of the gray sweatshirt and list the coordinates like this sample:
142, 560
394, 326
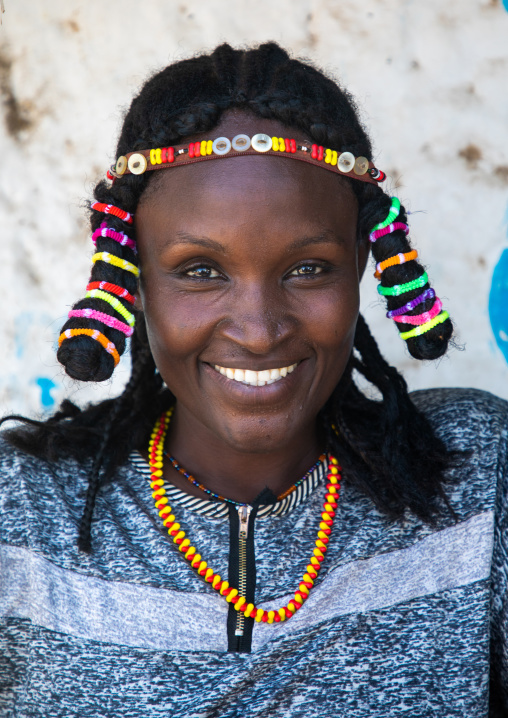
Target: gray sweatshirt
403, 620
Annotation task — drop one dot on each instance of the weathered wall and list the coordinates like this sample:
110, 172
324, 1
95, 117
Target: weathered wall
431, 78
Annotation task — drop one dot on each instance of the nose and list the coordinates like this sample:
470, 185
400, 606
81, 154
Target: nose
259, 319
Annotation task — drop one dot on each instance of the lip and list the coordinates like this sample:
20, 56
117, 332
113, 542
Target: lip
258, 394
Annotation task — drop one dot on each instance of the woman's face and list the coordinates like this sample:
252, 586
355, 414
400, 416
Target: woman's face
250, 273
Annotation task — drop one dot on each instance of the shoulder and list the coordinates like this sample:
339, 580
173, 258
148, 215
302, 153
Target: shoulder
465, 418
34, 492
475, 424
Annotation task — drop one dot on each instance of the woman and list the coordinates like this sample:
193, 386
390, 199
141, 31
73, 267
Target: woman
243, 530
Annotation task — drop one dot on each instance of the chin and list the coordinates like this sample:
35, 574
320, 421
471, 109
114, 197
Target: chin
264, 437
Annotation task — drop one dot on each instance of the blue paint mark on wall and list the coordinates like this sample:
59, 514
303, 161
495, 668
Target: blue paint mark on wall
505, 3
46, 385
498, 301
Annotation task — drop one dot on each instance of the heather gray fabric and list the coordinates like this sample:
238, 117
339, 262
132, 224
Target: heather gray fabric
404, 620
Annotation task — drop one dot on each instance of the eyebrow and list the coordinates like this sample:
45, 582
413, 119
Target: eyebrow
184, 238
325, 237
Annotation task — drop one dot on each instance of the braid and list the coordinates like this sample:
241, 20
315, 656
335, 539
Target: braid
83, 357
375, 207
387, 447
125, 412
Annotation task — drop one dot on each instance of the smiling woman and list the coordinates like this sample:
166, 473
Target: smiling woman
243, 495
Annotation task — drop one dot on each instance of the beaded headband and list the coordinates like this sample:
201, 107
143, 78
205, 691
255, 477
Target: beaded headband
342, 163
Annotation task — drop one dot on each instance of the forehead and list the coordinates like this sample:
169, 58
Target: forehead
249, 188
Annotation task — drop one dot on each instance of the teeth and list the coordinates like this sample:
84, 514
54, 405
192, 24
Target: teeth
255, 378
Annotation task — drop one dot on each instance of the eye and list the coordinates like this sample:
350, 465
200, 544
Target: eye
306, 270
202, 271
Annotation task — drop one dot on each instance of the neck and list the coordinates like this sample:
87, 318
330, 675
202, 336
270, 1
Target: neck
238, 475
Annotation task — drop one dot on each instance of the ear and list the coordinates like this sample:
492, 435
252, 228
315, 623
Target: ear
138, 304
362, 254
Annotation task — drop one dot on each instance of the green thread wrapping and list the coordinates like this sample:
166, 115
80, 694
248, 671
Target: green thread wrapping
115, 303
425, 327
398, 289
392, 215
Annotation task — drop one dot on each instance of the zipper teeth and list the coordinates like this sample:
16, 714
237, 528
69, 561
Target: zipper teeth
242, 582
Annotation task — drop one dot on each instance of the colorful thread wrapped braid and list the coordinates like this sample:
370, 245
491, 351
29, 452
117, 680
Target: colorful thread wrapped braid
95, 329
402, 264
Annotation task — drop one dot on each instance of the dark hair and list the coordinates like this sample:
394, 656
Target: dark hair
387, 447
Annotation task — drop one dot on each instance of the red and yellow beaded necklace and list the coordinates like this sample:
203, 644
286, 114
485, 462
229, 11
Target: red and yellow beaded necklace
156, 455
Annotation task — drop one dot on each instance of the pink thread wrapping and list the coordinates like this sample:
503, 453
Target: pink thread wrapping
388, 230
120, 237
417, 319
104, 318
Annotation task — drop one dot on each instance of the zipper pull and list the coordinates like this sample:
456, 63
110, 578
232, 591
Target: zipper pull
243, 515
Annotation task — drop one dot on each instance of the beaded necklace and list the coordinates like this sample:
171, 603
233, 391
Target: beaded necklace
190, 478
156, 456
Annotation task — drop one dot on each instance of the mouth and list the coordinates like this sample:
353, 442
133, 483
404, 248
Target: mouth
255, 378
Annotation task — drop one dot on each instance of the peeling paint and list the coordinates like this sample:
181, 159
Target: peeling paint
46, 386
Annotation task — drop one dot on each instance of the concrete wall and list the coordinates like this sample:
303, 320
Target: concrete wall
431, 78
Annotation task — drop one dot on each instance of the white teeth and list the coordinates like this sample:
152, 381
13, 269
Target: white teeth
263, 376
255, 378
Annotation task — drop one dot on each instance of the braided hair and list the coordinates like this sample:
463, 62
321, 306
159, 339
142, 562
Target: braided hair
388, 448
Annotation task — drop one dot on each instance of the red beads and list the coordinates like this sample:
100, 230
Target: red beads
317, 152
194, 149
168, 154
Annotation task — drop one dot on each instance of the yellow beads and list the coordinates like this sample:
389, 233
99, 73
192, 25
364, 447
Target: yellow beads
184, 545
248, 610
231, 595
278, 144
216, 580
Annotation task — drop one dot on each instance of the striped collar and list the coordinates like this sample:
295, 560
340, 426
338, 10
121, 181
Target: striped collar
219, 509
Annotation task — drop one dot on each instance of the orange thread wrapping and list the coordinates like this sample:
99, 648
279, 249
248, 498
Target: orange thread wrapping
392, 261
94, 334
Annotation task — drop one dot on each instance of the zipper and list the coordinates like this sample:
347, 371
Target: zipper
243, 533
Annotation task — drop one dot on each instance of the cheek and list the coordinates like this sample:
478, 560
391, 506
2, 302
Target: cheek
177, 327
331, 316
